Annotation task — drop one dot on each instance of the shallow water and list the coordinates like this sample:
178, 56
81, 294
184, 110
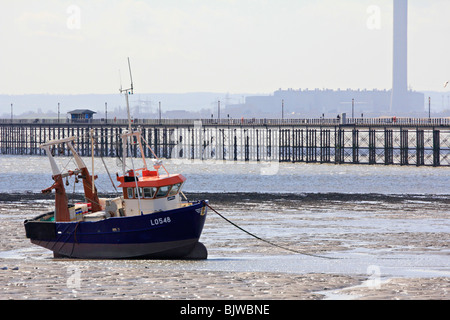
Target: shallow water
33, 173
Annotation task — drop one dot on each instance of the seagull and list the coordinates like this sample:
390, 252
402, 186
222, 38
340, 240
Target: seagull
445, 85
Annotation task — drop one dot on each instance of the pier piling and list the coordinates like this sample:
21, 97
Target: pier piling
308, 140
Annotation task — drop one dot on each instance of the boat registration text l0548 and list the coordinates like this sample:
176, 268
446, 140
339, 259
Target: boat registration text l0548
160, 221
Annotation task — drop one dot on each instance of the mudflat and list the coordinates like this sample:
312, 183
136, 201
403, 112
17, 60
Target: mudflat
30, 272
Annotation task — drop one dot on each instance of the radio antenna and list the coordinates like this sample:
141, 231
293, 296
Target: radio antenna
128, 92
131, 76
120, 80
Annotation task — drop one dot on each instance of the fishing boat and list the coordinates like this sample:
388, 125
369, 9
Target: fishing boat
149, 219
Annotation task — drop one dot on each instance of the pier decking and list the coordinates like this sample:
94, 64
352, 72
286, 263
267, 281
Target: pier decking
384, 141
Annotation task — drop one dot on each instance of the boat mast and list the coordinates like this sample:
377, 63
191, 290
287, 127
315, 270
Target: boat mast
130, 135
127, 92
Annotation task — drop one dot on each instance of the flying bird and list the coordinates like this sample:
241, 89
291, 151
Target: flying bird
445, 85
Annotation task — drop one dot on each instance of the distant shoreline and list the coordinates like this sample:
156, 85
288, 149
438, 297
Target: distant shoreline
235, 197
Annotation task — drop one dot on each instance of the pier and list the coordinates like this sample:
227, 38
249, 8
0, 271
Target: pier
381, 141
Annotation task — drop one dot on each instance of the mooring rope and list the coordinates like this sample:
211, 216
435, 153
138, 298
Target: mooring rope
264, 240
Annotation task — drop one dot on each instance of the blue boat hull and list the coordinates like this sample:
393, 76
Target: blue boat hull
170, 234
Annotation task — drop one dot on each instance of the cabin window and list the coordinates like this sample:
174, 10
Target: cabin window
175, 189
130, 193
149, 192
140, 193
163, 191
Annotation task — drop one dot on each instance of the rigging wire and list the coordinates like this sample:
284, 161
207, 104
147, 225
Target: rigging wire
104, 164
109, 175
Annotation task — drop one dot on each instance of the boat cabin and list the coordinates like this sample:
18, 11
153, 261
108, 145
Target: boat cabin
151, 192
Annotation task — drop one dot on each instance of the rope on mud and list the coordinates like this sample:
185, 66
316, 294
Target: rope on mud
264, 240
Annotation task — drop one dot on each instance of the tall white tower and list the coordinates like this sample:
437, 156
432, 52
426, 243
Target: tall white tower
399, 99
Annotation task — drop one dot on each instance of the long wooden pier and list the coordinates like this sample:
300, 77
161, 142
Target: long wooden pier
384, 141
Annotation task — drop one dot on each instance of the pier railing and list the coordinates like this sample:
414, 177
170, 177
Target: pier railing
383, 121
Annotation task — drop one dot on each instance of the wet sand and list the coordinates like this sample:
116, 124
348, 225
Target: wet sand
104, 280
29, 272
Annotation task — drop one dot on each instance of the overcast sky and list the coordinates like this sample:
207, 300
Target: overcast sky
236, 46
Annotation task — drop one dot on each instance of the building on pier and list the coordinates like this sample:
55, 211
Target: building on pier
81, 115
